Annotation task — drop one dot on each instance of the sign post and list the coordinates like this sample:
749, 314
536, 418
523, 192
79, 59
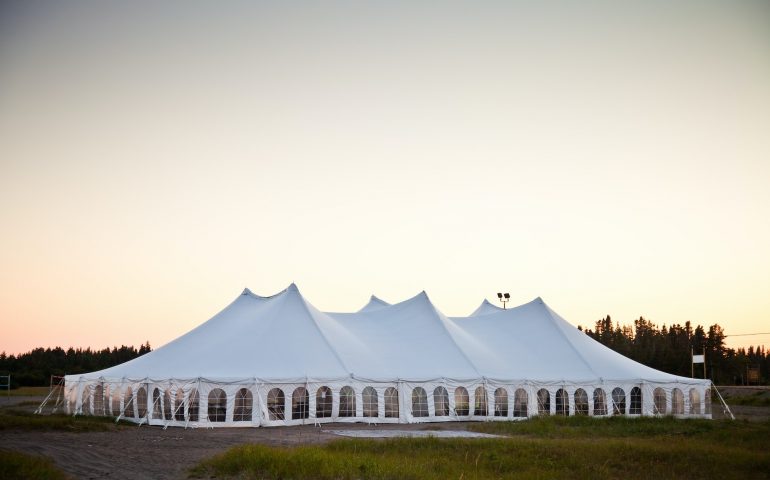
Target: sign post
698, 359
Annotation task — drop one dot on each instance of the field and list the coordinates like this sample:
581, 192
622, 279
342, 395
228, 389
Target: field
87, 447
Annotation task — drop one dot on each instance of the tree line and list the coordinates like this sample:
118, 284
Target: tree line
668, 348
35, 367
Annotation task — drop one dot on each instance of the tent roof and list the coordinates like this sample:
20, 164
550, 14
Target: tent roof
283, 338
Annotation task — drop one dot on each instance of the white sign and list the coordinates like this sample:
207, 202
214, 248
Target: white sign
698, 359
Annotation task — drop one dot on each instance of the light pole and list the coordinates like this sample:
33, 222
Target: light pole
504, 298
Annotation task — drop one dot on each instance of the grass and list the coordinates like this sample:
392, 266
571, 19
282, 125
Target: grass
26, 392
21, 466
756, 399
550, 447
16, 419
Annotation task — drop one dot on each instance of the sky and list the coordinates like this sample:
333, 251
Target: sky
611, 157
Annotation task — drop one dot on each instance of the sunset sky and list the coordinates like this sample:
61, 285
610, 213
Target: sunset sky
611, 157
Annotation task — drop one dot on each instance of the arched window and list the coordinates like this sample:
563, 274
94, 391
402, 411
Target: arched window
323, 402
462, 402
659, 400
99, 400
243, 405
128, 403
369, 398
618, 401
391, 402
677, 402
179, 407
157, 411
581, 402
347, 402
276, 404
501, 402
115, 395
635, 408
193, 405
694, 402
419, 402
217, 405
600, 402
707, 402
440, 402
562, 402
141, 402
543, 402
167, 405
480, 402
520, 403
85, 403
299, 403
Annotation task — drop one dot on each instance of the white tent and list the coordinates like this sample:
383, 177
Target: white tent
266, 361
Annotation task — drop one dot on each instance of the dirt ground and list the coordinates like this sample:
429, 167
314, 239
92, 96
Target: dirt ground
153, 453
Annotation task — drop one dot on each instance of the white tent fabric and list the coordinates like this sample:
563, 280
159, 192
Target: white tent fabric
268, 361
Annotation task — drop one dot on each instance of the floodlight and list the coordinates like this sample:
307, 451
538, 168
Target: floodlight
499, 295
508, 295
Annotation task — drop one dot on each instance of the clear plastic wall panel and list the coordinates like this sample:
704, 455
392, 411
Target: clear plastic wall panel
217, 405
116, 398
694, 402
659, 401
193, 405
369, 398
157, 413
543, 402
562, 402
520, 403
347, 402
635, 407
440, 402
141, 402
462, 402
501, 402
107, 399
99, 400
677, 402
618, 401
85, 401
391, 402
276, 404
581, 402
480, 402
600, 402
300, 404
179, 405
244, 401
168, 405
128, 403
419, 402
707, 401
324, 400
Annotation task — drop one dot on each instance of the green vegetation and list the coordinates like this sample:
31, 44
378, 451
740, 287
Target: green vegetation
668, 349
35, 367
756, 399
27, 467
540, 448
26, 392
15, 419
